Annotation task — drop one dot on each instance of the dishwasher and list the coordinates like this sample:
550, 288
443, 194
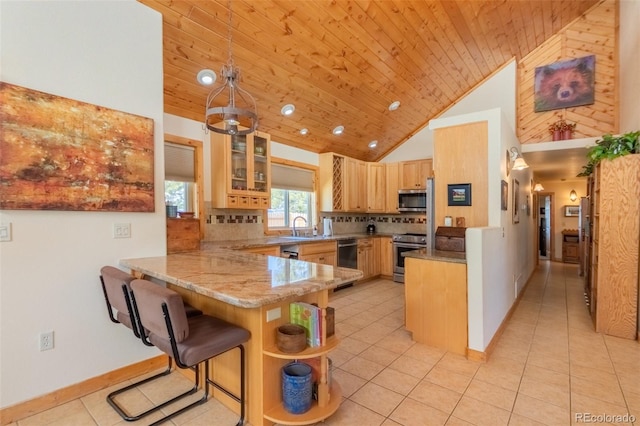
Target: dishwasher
347, 257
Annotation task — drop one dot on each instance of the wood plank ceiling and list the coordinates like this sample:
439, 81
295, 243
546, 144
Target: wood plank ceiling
343, 62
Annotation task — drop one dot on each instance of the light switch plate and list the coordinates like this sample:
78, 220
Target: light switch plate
121, 230
5, 232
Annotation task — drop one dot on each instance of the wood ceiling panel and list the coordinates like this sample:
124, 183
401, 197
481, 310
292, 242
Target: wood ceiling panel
344, 61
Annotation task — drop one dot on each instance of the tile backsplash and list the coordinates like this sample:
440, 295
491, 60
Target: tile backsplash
385, 224
227, 224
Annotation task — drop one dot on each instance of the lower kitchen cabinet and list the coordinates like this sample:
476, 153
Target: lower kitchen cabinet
366, 258
386, 256
324, 253
266, 250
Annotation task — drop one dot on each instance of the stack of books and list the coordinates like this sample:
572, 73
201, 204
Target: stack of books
310, 317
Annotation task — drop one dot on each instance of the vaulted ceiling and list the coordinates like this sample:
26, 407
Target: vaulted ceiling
344, 62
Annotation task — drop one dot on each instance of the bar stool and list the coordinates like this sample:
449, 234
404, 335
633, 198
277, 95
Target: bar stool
115, 285
190, 341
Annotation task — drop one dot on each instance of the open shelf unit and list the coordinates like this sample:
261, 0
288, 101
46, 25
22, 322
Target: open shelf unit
329, 395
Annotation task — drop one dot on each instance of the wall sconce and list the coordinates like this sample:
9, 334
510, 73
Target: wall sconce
573, 195
538, 187
518, 161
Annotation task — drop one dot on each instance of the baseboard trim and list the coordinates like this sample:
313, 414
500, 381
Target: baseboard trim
61, 396
475, 355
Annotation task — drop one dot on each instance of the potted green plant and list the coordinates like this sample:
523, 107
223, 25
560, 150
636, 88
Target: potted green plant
610, 147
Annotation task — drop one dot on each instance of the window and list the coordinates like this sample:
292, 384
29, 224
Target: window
286, 205
292, 195
180, 194
180, 177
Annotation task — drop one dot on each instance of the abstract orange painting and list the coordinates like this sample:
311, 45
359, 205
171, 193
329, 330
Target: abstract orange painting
61, 154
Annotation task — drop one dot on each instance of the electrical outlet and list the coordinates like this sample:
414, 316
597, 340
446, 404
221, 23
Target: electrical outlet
273, 314
121, 230
46, 340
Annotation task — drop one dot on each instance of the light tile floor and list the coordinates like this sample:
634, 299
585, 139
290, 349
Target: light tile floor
548, 367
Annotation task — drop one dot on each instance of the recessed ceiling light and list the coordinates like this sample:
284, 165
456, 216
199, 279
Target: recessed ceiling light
304, 131
373, 144
206, 77
288, 109
338, 130
394, 105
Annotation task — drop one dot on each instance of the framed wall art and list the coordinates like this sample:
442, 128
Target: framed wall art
571, 211
63, 154
565, 84
459, 194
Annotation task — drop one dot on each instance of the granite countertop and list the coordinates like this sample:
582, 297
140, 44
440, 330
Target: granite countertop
439, 255
283, 240
242, 279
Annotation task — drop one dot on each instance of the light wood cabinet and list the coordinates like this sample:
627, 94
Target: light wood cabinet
376, 183
331, 181
386, 256
414, 174
391, 186
615, 241
266, 250
436, 303
355, 185
182, 235
241, 171
570, 246
324, 253
366, 258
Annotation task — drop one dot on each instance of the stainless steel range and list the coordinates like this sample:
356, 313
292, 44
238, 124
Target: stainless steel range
403, 243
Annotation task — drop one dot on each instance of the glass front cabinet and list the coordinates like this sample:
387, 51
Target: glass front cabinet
241, 171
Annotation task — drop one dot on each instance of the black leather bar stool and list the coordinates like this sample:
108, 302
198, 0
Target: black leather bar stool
115, 285
190, 341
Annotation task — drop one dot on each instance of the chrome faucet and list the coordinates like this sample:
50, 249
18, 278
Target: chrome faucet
295, 231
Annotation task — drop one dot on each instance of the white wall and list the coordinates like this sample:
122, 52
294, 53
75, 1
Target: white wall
499, 91
629, 65
106, 53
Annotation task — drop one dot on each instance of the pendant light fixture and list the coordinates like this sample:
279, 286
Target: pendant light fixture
538, 187
239, 107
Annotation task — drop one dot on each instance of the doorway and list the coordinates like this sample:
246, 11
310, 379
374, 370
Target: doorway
545, 226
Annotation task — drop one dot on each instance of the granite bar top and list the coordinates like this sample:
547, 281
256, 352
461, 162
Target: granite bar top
438, 255
283, 240
242, 279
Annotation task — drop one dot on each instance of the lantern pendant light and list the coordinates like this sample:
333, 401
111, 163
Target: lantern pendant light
239, 106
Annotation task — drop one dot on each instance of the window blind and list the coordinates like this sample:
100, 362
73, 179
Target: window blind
179, 163
291, 178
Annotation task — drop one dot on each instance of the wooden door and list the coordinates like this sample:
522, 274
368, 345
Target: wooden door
376, 187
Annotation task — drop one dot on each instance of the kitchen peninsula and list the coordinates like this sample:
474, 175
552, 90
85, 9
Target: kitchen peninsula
436, 298
254, 291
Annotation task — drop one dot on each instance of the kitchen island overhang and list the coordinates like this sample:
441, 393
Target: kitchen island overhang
254, 291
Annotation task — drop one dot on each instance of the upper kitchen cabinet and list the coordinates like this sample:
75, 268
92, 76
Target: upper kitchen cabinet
332, 182
355, 185
392, 185
240, 169
414, 174
376, 183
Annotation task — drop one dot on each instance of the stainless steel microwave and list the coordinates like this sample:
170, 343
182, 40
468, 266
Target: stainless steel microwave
412, 200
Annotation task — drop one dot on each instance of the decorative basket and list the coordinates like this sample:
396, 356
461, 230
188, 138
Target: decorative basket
291, 338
